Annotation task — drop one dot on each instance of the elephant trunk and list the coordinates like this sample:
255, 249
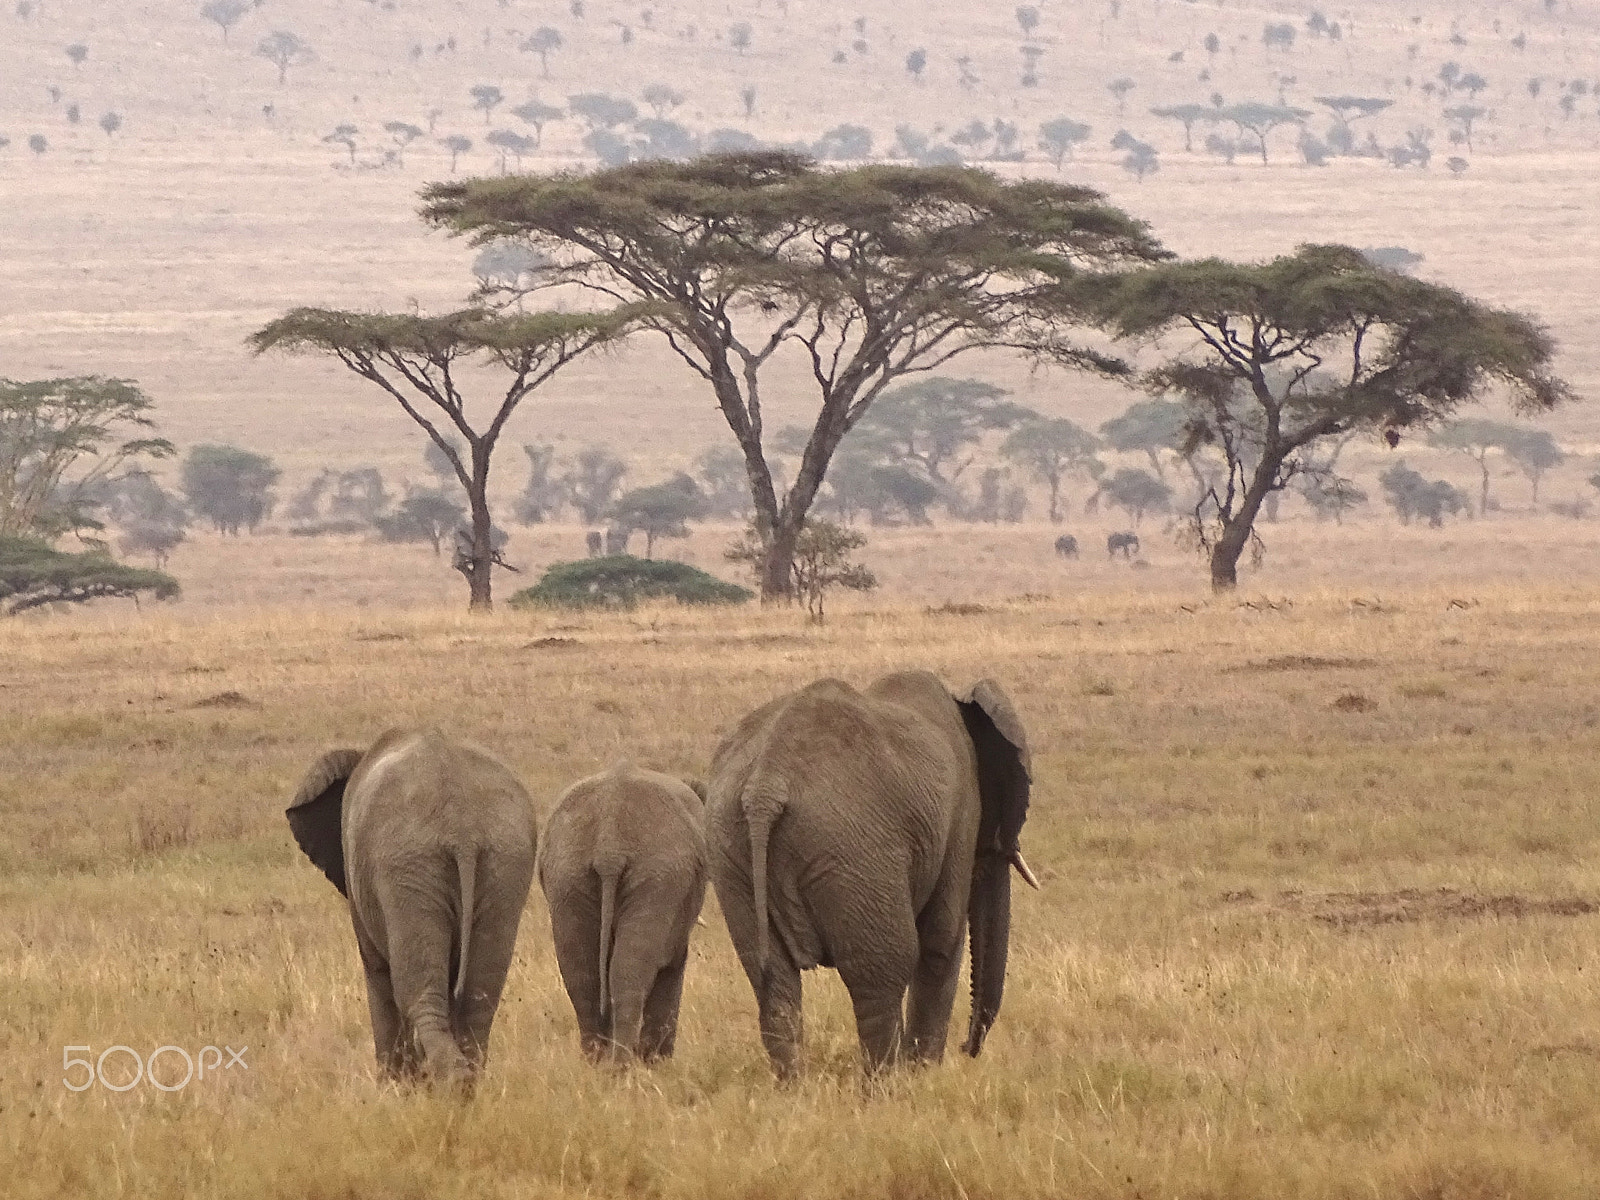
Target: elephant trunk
989, 927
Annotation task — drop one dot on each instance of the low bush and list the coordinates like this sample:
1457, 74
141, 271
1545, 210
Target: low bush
622, 581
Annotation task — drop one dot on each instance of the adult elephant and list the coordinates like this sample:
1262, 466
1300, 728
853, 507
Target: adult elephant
865, 831
432, 842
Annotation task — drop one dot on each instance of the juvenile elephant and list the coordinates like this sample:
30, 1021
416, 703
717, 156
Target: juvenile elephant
865, 831
432, 842
623, 867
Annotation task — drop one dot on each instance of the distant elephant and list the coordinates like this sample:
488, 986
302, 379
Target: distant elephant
1067, 546
864, 831
1128, 543
623, 867
592, 543
432, 841
617, 540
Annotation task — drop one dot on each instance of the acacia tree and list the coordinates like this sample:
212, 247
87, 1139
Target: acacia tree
873, 273
1477, 438
60, 439
417, 361
1051, 448
1309, 347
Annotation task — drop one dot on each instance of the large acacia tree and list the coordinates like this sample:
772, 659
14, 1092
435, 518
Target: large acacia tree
1284, 356
418, 360
872, 273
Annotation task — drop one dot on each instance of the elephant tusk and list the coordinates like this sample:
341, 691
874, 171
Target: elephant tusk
700, 921
1021, 864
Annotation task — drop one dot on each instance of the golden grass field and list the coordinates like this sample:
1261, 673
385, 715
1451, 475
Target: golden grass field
1289, 944
1321, 915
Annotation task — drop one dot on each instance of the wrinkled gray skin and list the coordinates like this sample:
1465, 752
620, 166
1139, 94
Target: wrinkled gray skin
432, 842
865, 831
622, 865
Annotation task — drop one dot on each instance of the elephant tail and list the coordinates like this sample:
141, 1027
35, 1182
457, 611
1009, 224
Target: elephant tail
467, 869
609, 869
763, 802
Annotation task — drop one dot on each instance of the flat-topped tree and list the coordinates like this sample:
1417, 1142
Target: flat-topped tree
1258, 120
418, 359
1186, 115
283, 50
872, 274
1288, 355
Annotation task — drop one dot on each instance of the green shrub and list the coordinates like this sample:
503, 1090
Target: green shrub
622, 581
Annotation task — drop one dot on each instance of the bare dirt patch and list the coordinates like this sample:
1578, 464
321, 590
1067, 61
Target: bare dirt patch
1350, 910
1299, 662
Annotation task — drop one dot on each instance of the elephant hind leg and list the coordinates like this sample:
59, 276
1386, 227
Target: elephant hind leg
778, 997
388, 1042
659, 1034
420, 932
575, 926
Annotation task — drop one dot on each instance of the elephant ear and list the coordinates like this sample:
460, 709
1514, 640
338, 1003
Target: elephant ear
316, 814
1005, 767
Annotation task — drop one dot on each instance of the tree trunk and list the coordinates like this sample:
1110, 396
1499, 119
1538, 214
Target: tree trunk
1055, 492
1236, 531
777, 572
480, 561
1483, 490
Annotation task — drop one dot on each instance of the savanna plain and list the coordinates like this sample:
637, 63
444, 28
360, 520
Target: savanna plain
1320, 913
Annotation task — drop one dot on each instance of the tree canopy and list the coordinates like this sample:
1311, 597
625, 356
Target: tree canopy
416, 360
34, 574
870, 273
1314, 345
59, 440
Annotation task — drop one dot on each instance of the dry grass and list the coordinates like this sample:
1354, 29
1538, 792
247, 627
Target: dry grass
1282, 950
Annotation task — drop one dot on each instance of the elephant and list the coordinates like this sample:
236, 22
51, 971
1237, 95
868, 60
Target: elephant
865, 831
623, 866
617, 539
1128, 543
432, 841
1067, 546
592, 543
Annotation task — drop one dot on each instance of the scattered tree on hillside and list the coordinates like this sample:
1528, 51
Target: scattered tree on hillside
151, 519
747, 97
507, 264
457, 145
599, 111
739, 36
1059, 136
415, 358
1280, 35
1534, 453
1309, 347
543, 41
1186, 115
538, 114
223, 13
1477, 438
229, 486
403, 133
1465, 116
77, 52
487, 97
723, 482
917, 63
283, 50
1051, 449
844, 143
508, 142
1119, 89
110, 122
1258, 120
37, 143
661, 98
1138, 158
1027, 18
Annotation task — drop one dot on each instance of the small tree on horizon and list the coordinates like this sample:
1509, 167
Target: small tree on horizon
1059, 136
229, 486
1050, 449
821, 562
487, 97
544, 41
223, 13
661, 510
415, 358
1259, 120
283, 50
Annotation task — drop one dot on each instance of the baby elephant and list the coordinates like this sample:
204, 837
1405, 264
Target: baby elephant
432, 842
622, 865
